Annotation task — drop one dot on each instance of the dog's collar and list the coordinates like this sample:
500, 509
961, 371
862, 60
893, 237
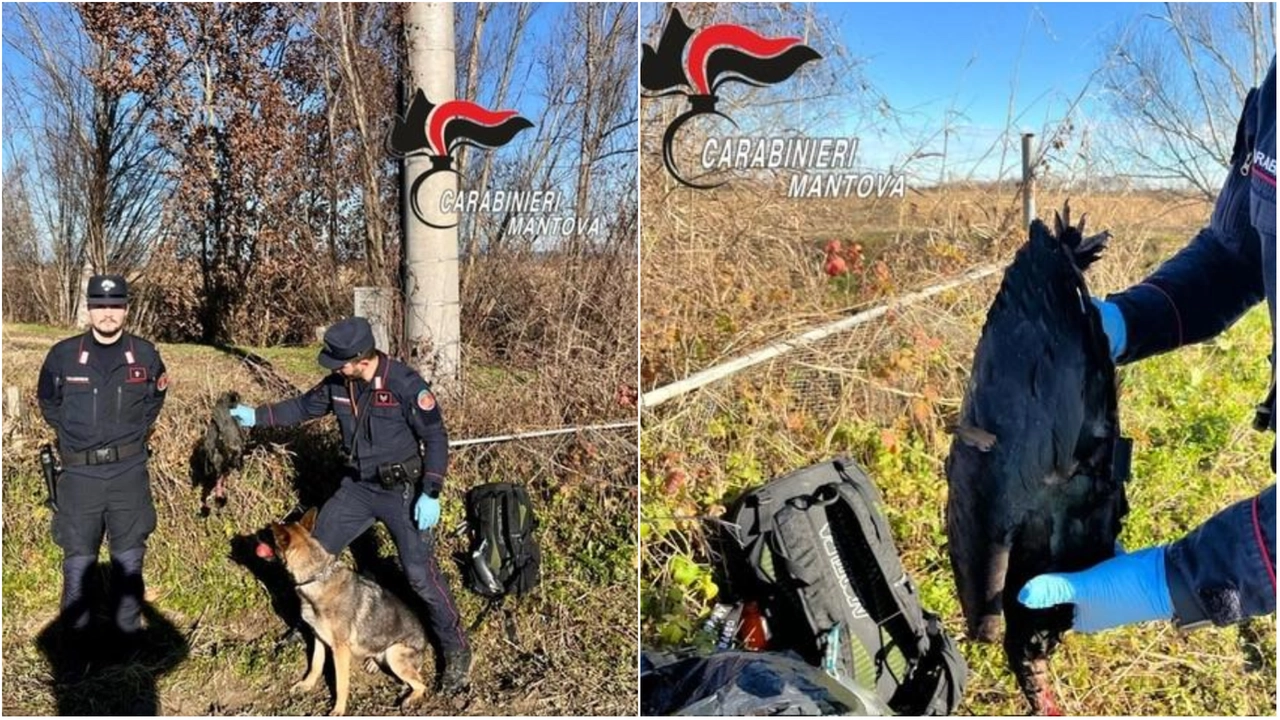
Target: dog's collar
317, 577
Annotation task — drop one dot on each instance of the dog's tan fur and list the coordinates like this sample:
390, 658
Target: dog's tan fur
350, 615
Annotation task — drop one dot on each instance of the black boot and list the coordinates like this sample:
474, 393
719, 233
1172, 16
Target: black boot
457, 671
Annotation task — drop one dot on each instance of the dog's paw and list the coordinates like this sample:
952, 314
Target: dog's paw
338, 712
302, 687
412, 700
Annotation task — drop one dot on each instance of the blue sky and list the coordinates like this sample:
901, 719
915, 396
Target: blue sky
526, 96
527, 93
964, 61
928, 59
970, 58
929, 55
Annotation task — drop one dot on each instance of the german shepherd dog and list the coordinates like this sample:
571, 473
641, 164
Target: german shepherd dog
350, 615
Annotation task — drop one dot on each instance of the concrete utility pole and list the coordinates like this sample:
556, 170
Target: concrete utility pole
431, 306
1028, 181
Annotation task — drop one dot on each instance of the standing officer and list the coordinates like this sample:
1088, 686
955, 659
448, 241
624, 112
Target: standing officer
385, 409
102, 392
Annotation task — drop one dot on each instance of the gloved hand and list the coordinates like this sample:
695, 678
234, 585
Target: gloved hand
1125, 589
1113, 325
244, 415
426, 512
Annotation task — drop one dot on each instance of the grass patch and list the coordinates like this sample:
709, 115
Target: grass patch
1195, 453
577, 649
296, 362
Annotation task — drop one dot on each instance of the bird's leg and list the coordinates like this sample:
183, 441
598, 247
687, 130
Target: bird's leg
1033, 680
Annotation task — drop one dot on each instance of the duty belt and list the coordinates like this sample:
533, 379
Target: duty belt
390, 475
102, 456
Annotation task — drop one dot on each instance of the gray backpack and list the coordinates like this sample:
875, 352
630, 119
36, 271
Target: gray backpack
813, 548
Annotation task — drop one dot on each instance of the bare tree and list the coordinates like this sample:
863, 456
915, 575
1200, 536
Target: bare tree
470, 80
26, 293
605, 104
1176, 81
508, 22
365, 80
223, 119
99, 191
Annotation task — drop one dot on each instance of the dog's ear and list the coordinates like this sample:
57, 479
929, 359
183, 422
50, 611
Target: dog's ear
281, 535
308, 520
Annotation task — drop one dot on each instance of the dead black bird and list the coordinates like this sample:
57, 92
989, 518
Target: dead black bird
1036, 467
221, 452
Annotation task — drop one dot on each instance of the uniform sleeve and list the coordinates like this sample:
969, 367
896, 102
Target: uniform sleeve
49, 391
1225, 570
423, 413
312, 404
1209, 284
159, 389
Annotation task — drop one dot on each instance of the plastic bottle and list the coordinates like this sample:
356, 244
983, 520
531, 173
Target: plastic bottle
717, 616
730, 630
754, 633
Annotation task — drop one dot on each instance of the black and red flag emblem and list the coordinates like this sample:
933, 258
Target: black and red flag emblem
437, 130
696, 63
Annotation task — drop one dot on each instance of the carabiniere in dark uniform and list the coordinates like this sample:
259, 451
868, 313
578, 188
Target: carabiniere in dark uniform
396, 450
102, 391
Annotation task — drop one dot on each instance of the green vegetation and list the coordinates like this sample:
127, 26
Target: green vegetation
577, 630
1189, 413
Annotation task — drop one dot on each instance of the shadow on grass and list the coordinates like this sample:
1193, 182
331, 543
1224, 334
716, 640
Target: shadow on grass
96, 670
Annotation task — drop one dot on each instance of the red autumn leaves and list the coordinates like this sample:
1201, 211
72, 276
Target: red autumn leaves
843, 260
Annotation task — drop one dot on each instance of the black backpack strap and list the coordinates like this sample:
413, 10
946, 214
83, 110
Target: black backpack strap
937, 682
511, 511
484, 613
508, 618
509, 624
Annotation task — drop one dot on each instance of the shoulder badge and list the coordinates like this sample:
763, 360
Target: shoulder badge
426, 401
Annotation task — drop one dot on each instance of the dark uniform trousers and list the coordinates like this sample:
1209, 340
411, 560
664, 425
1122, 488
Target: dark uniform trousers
117, 501
353, 509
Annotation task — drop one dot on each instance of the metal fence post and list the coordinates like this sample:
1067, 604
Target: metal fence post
1028, 182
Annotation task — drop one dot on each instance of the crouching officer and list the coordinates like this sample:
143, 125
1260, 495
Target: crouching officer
102, 392
384, 409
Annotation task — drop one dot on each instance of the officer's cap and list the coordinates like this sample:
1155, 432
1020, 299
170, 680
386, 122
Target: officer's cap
107, 290
345, 341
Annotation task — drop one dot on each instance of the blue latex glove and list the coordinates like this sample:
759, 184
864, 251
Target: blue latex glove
1113, 325
244, 415
1125, 589
426, 512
